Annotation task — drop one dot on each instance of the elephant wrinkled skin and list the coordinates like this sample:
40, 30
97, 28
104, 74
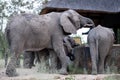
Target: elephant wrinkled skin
30, 32
32, 57
100, 40
45, 54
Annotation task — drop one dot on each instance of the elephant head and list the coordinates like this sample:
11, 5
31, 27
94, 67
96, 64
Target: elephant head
70, 20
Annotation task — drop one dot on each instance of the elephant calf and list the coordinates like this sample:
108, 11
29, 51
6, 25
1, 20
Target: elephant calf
100, 40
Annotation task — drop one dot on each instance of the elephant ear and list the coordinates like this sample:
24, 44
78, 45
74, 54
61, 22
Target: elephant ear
66, 22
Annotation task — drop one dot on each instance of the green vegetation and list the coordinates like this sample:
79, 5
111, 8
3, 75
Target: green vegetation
73, 70
3, 45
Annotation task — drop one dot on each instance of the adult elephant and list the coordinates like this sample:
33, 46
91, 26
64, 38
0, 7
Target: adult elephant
100, 40
30, 32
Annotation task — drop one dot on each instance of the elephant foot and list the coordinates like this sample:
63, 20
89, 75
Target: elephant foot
63, 72
94, 73
101, 72
32, 65
53, 71
11, 72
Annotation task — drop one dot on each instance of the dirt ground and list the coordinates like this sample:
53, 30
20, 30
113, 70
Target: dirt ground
32, 74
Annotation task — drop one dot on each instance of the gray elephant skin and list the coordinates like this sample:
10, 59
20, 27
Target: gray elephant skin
32, 57
100, 40
45, 54
30, 32
69, 44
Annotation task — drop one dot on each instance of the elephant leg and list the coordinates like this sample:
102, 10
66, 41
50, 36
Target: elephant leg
6, 58
59, 49
85, 57
26, 61
11, 67
32, 58
64, 63
11, 71
93, 57
103, 55
18, 62
16, 52
107, 61
53, 60
101, 65
29, 58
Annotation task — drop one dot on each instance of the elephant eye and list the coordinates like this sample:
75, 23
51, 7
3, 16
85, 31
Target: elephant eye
77, 21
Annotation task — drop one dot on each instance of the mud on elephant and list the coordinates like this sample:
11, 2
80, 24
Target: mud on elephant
30, 32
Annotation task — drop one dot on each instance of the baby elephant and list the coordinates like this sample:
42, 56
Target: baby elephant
100, 40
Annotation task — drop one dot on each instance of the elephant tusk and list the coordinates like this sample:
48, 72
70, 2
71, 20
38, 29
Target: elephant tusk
88, 25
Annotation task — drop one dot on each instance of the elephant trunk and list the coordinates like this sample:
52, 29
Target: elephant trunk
87, 22
71, 56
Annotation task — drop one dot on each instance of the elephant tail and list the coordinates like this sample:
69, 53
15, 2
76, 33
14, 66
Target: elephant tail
97, 55
7, 35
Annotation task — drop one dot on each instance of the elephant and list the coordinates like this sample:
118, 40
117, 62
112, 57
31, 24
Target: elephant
30, 32
100, 41
69, 44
